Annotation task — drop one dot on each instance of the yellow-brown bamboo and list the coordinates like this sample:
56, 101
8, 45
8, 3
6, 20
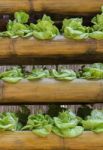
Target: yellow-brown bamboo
59, 47
28, 141
57, 6
51, 90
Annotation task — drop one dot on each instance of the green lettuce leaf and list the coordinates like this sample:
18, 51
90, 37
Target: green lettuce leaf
94, 122
21, 17
8, 122
38, 74
96, 35
73, 29
68, 133
65, 125
12, 79
95, 71
98, 21
44, 29
97, 28
44, 131
12, 76
40, 124
17, 28
63, 74
66, 119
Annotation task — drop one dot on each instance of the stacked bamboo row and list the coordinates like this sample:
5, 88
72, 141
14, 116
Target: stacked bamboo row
60, 47
28, 141
50, 90
59, 7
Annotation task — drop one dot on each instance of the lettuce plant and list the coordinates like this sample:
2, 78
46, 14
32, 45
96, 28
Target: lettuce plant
97, 28
12, 76
95, 71
63, 74
39, 124
17, 27
73, 29
66, 125
38, 74
8, 121
94, 122
44, 29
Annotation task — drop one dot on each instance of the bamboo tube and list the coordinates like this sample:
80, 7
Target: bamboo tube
50, 90
28, 141
57, 6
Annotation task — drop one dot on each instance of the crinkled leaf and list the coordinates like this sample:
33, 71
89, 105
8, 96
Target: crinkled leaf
13, 75
65, 133
74, 29
38, 74
44, 29
21, 17
96, 114
63, 74
91, 124
8, 121
15, 72
40, 124
95, 71
66, 120
96, 35
17, 28
65, 125
74, 34
43, 132
12, 79
94, 122
98, 130
98, 21
97, 65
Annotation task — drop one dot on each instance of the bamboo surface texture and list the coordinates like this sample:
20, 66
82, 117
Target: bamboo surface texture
28, 141
50, 90
57, 6
63, 50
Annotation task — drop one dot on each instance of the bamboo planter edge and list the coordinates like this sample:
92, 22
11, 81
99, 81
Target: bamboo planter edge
51, 90
26, 140
71, 50
63, 7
